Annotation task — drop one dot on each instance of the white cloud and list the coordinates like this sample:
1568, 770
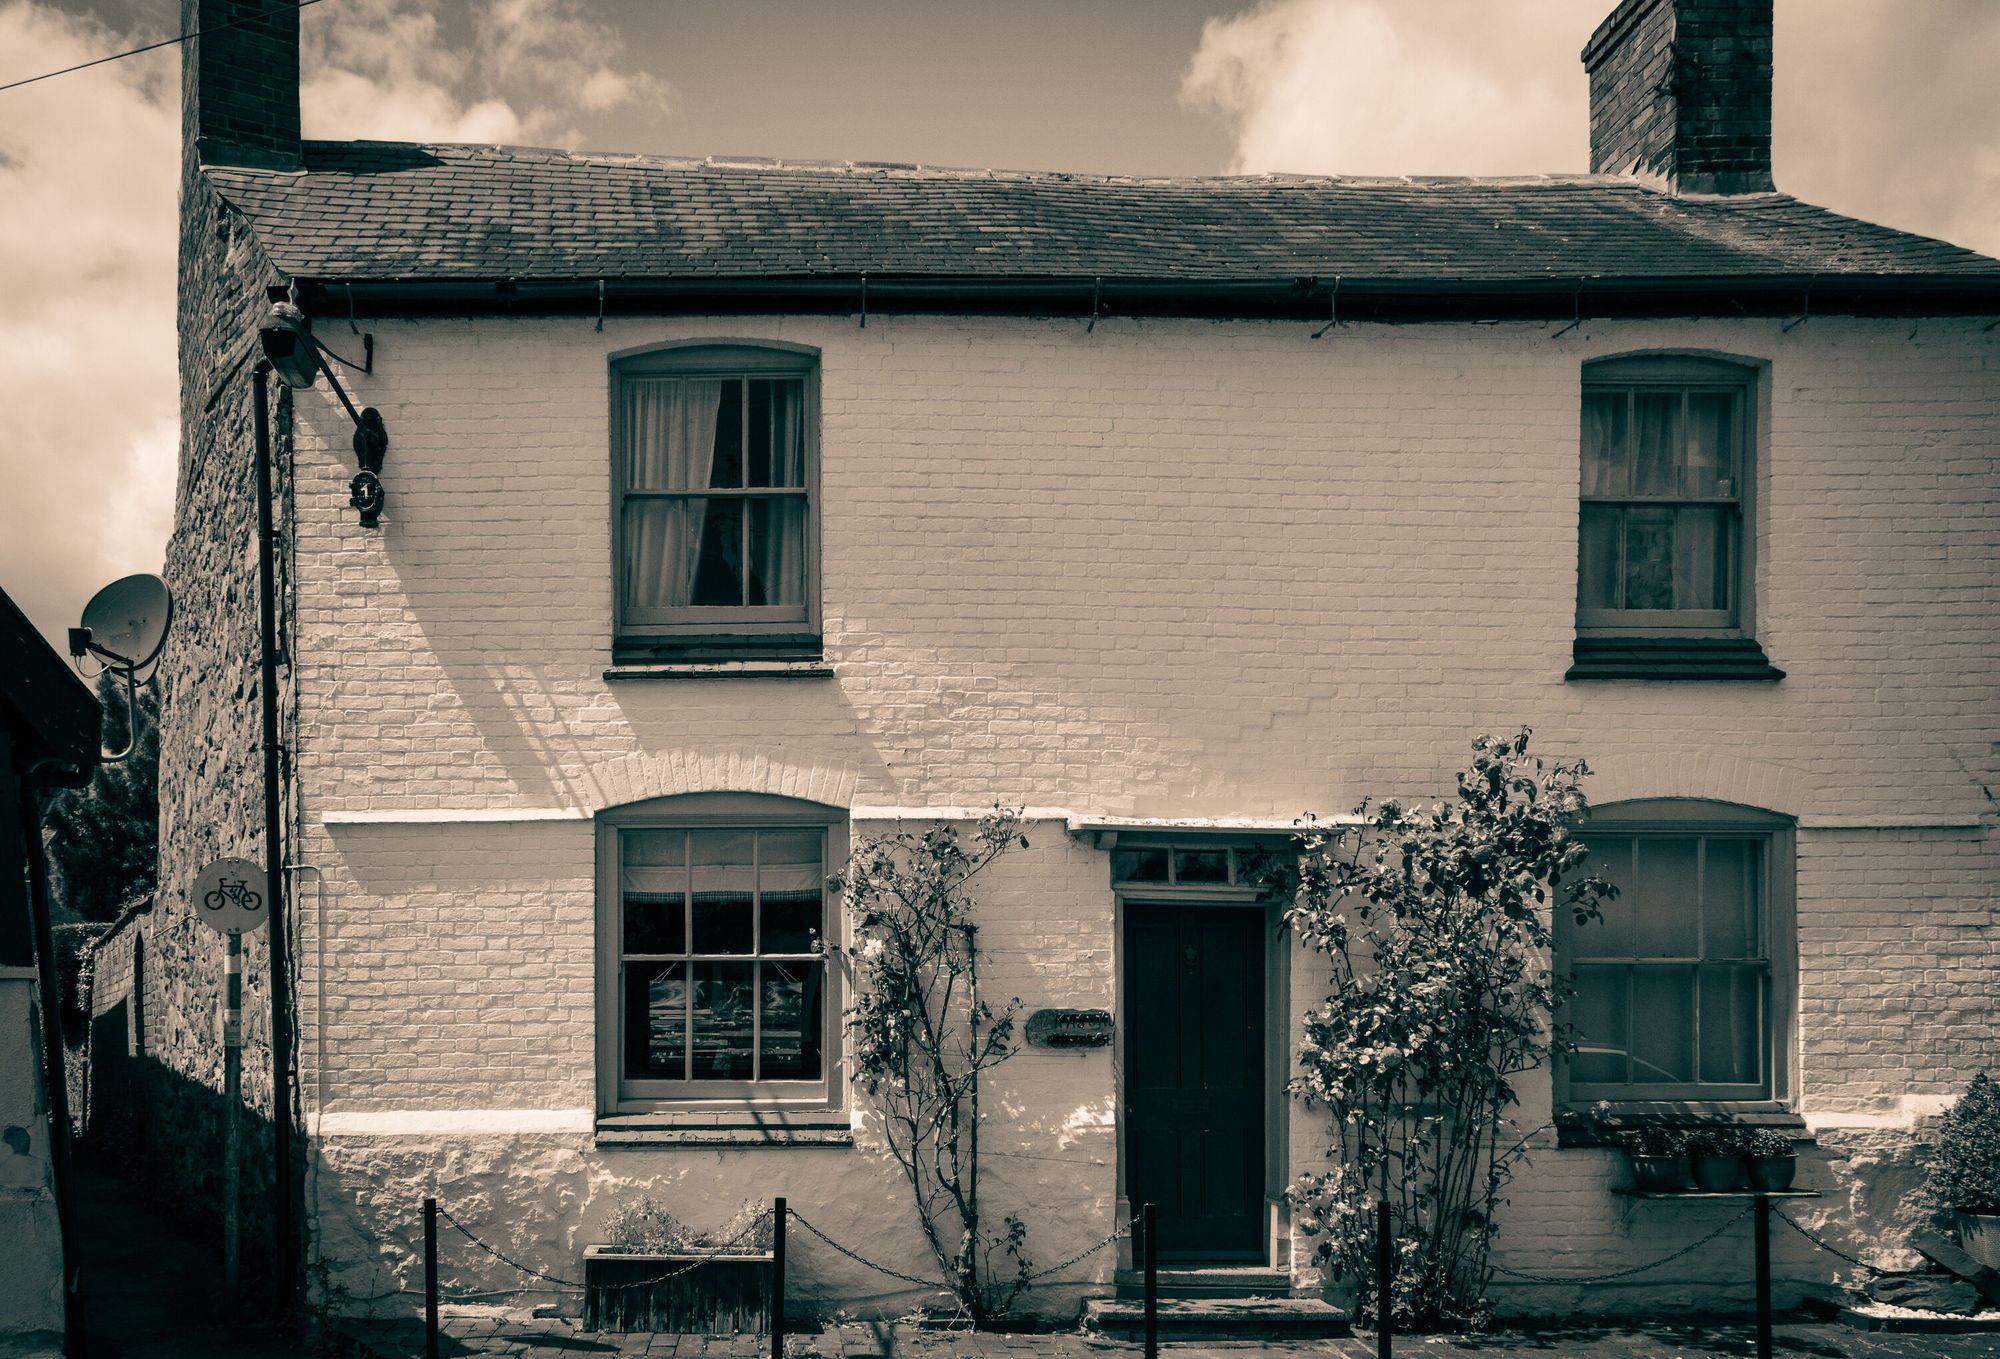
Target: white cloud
383, 70
88, 392
1386, 87
1882, 109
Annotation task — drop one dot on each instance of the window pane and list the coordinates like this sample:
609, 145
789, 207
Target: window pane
656, 1021
653, 889
1598, 1014
1649, 559
1662, 1025
1201, 865
718, 571
777, 551
1666, 914
723, 1020
726, 466
1711, 444
723, 869
1597, 558
790, 882
660, 542
1606, 456
791, 1032
1611, 937
1729, 899
1139, 865
1732, 1030
1701, 543
670, 429
777, 434
1658, 454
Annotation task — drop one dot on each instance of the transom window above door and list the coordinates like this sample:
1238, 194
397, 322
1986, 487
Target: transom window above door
715, 470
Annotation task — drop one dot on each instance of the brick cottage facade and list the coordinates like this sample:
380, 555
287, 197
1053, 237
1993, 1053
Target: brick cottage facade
741, 510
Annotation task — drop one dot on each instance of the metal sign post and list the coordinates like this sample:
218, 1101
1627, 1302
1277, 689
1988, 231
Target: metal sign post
226, 900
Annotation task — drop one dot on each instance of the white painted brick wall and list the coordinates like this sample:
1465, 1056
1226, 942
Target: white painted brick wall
1167, 568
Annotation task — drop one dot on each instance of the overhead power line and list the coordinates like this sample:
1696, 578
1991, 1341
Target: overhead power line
149, 47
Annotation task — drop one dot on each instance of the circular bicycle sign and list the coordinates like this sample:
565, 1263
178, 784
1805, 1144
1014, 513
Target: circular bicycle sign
229, 895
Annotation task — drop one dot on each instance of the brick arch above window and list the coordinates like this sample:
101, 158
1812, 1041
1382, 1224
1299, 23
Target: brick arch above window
736, 769
1711, 777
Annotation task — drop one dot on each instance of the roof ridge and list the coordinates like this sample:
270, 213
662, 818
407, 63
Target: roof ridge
920, 170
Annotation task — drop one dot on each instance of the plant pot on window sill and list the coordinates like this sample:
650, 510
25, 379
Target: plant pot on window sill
1717, 1173
1772, 1174
690, 1293
1979, 1237
1658, 1174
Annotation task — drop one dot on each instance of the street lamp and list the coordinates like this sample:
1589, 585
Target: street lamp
298, 359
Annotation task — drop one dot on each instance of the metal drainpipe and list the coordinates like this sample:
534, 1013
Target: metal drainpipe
274, 863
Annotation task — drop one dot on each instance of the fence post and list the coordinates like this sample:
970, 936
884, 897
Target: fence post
778, 1278
1149, 1215
1763, 1259
430, 1279
1384, 1248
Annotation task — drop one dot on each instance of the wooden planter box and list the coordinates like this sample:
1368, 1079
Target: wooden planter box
721, 1295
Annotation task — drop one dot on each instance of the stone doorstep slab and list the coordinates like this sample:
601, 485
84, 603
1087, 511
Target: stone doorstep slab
1219, 1318
1206, 1283
1937, 1323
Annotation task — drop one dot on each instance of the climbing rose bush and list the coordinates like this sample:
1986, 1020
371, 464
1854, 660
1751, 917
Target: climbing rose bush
1436, 924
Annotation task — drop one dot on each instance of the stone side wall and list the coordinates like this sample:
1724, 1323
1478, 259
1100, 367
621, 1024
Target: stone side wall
1181, 569
211, 760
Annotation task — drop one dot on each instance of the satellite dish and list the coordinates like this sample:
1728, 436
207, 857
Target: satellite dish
127, 621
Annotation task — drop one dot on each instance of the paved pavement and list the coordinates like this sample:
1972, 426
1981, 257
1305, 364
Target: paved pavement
521, 1337
151, 1294
149, 1291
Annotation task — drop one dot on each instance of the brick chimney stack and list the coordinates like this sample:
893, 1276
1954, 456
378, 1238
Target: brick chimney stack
1680, 91
240, 83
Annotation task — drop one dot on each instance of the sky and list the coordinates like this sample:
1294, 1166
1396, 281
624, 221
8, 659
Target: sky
1883, 110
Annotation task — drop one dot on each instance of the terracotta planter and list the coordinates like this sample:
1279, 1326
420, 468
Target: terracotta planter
1979, 1237
1773, 1174
1659, 1174
1719, 1174
721, 1295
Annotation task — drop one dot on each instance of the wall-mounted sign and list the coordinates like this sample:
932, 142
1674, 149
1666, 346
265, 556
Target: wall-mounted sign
229, 895
1069, 1028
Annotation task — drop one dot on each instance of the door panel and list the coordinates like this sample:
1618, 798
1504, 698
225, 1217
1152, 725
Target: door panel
1194, 1076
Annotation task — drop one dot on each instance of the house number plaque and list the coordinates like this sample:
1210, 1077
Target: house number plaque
1069, 1028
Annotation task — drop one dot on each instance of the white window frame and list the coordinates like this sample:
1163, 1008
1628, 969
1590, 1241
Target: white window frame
716, 811
1670, 818
1688, 375
746, 360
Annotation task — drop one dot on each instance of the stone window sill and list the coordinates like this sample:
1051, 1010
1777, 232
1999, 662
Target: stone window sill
1671, 658
1575, 1129
722, 670
642, 1131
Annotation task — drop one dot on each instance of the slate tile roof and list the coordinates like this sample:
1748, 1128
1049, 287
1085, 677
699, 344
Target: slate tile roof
390, 211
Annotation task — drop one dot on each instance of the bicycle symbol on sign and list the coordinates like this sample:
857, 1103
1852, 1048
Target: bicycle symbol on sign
236, 892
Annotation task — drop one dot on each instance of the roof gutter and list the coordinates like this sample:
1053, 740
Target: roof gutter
1305, 298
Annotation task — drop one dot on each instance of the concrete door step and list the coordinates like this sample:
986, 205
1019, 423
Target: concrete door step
1217, 1282
1218, 1318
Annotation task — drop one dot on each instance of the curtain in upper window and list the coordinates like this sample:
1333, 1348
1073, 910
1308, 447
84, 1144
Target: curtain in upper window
714, 487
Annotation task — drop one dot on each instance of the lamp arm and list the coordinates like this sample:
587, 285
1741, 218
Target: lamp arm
338, 390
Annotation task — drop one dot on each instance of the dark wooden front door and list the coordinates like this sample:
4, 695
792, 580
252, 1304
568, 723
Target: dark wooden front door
1194, 1076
